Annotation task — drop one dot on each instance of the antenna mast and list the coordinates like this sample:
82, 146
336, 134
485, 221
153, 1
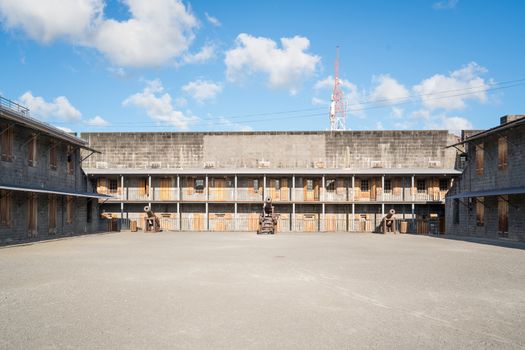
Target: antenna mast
338, 104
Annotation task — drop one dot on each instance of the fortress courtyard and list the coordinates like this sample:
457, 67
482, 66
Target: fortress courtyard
239, 290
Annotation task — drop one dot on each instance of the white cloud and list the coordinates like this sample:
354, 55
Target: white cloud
387, 89
445, 4
213, 21
49, 20
158, 105
452, 124
60, 108
450, 92
118, 72
285, 67
202, 90
157, 31
226, 124
205, 54
397, 112
379, 126
97, 121
64, 129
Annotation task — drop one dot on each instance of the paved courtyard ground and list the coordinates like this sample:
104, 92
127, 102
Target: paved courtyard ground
240, 290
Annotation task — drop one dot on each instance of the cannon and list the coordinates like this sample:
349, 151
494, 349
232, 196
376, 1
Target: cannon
267, 218
152, 222
389, 222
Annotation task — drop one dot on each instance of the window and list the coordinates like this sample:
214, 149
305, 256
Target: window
277, 184
256, 185
479, 159
503, 216
32, 151
388, 186
53, 161
52, 213
113, 186
70, 201
199, 185
480, 211
330, 185
421, 186
443, 184
502, 153
6, 132
364, 186
5, 208
455, 211
70, 160
309, 185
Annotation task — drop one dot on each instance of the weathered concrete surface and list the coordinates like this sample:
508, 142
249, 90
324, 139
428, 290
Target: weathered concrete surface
277, 149
236, 291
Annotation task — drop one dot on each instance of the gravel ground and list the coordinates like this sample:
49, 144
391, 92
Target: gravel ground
240, 290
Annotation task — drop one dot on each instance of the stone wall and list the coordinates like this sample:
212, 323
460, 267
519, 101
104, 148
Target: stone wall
349, 149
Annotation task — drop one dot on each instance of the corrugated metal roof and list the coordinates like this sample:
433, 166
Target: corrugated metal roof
64, 193
276, 171
488, 193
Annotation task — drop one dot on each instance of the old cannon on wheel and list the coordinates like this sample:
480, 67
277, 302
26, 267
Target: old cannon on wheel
152, 222
267, 218
389, 222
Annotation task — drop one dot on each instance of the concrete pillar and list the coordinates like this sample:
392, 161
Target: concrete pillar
178, 188
122, 210
293, 216
412, 190
235, 216
293, 188
323, 187
150, 191
413, 217
353, 188
235, 189
179, 216
323, 217
207, 225
206, 192
353, 216
123, 194
382, 188
264, 187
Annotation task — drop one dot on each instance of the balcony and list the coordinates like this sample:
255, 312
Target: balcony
221, 194
137, 194
335, 196
392, 196
246, 194
190, 194
306, 196
165, 194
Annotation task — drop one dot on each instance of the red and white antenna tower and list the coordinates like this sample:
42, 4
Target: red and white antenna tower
338, 103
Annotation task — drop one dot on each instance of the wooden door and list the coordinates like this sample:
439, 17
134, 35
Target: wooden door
32, 211
503, 216
52, 213
357, 189
330, 222
165, 189
317, 183
198, 221
309, 223
143, 187
365, 195
340, 187
220, 184
396, 188
373, 189
253, 222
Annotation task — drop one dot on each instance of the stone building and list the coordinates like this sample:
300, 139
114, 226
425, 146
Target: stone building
319, 181
488, 200
43, 191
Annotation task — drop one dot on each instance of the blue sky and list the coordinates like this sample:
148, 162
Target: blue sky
166, 65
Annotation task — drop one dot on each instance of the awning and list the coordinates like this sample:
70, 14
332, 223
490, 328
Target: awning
63, 193
488, 193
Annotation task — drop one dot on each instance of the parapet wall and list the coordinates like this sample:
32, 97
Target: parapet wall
348, 149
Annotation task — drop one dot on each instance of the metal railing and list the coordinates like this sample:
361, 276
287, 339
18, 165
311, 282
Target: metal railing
13, 106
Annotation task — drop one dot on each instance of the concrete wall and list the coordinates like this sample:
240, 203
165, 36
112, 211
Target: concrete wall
349, 149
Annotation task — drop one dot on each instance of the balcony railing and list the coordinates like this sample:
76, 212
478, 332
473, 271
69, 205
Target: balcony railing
245, 194
165, 194
221, 194
390, 196
189, 194
137, 194
305, 196
334, 196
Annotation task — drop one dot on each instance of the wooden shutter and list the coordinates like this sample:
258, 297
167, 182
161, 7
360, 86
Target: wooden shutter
480, 211
32, 215
53, 161
7, 142
503, 215
502, 153
52, 213
70, 160
284, 189
165, 186
32, 151
5, 208
479, 159
357, 188
190, 185
69, 209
